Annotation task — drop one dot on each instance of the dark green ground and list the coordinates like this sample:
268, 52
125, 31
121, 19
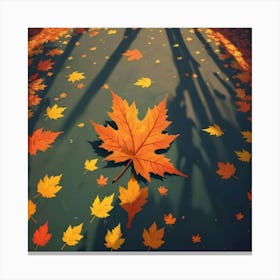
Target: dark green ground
204, 203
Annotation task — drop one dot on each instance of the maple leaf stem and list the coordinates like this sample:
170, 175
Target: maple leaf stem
149, 248
36, 247
63, 246
85, 172
34, 220
36, 195
235, 177
92, 219
120, 175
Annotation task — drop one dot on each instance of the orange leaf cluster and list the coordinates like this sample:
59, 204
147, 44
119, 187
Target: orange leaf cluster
40, 140
136, 141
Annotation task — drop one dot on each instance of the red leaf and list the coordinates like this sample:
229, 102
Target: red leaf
41, 236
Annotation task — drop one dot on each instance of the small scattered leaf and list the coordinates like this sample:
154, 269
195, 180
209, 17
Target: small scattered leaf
54, 52
153, 236
243, 106
41, 236
80, 85
55, 112
90, 164
31, 208
113, 238
81, 124
112, 32
162, 190
239, 216
169, 219
102, 181
143, 82
226, 170
48, 187
133, 55
45, 65
101, 209
247, 135
72, 235
76, 76
243, 155
214, 130
196, 238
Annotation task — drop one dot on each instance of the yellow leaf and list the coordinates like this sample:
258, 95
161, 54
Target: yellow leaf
175, 45
48, 187
81, 124
101, 209
90, 165
113, 238
243, 155
188, 39
55, 112
72, 235
31, 208
214, 130
153, 236
143, 82
93, 49
112, 32
247, 135
76, 76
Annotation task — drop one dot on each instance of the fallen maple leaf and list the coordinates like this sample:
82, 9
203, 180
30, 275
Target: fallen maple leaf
214, 130
162, 190
41, 236
113, 238
90, 165
40, 140
101, 209
241, 93
48, 186
35, 85
112, 32
239, 216
102, 181
249, 195
45, 65
153, 236
196, 238
55, 112
226, 170
132, 199
63, 95
169, 219
243, 106
247, 135
136, 141
80, 85
243, 155
81, 124
72, 235
133, 55
31, 210
144, 82
33, 100
76, 76
54, 52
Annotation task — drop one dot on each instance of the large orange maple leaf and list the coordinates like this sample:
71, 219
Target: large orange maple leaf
136, 141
